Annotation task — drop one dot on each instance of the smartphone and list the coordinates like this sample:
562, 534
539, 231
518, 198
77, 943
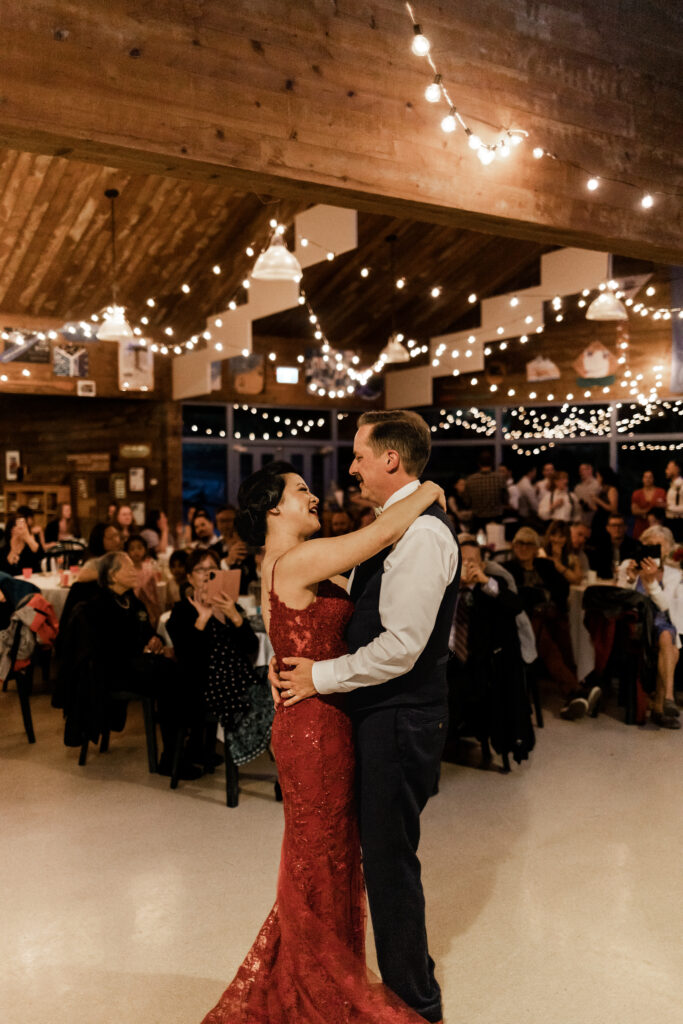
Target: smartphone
650, 551
224, 581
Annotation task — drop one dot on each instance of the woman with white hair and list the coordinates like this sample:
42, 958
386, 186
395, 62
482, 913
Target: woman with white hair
663, 584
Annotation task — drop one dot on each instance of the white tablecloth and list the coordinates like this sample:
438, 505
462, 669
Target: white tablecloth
49, 584
582, 645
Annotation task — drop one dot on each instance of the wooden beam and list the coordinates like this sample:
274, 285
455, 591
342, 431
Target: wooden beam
326, 101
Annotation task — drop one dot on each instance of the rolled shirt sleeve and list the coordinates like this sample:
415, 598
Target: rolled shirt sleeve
416, 574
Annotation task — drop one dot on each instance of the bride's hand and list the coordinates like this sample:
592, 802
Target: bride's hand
439, 495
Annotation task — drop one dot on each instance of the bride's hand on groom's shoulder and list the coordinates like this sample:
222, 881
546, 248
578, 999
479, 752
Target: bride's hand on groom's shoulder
439, 494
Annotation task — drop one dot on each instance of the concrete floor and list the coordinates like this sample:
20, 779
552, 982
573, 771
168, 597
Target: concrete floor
554, 893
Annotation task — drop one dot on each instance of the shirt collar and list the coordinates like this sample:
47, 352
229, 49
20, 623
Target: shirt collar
402, 492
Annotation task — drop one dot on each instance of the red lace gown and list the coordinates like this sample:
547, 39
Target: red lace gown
307, 965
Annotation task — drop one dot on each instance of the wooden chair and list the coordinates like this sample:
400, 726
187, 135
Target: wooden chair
150, 729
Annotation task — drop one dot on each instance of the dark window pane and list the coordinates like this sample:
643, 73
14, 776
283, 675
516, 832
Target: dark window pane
663, 418
204, 475
555, 422
467, 424
204, 421
254, 424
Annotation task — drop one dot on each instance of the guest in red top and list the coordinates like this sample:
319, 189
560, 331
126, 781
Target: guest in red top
644, 500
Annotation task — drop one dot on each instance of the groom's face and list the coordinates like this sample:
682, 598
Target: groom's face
369, 469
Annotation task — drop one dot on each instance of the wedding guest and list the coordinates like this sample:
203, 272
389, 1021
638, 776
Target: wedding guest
547, 474
146, 589
663, 584
579, 535
613, 548
125, 521
556, 501
104, 537
644, 500
674, 499
487, 492
528, 497
64, 527
341, 522
176, 577
460, 504
557, 546
606, 502
231, 548
585, 491
21, 550
203, 533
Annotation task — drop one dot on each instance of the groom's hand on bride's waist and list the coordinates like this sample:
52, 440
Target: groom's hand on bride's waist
295, 682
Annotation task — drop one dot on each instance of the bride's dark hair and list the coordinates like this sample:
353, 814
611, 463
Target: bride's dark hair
257, 495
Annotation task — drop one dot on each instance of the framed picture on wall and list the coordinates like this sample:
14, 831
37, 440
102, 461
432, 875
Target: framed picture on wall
138, 510
136, 478
12, 464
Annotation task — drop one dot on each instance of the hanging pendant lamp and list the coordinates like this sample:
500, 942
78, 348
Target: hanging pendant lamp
277, 263
606, 307
115, 326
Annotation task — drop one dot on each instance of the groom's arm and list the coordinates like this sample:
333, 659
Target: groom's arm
416, 574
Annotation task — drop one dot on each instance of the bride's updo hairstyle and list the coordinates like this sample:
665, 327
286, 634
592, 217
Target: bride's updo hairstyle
257, 495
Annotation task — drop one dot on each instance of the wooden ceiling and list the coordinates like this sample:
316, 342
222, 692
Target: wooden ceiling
55, 257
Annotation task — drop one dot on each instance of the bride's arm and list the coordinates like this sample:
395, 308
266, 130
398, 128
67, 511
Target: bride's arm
321, 559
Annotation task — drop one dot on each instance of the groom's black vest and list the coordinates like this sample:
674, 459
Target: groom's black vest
425, 683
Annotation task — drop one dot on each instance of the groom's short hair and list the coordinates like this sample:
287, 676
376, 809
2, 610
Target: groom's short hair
400, 430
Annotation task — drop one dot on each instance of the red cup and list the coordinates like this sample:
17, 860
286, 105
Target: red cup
27, 572
66, 579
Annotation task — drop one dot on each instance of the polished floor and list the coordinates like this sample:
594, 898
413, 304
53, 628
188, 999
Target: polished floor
554, 893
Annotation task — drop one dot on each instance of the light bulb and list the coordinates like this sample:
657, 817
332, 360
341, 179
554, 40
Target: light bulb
421, 44
364, 272
538, 153
503, 148
592, 184
647, 201
485, 155
449, 123
435, 292
471, 298
474, 142
433, 91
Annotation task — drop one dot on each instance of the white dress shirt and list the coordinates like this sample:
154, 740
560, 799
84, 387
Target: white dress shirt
416, 573
528, 498
674, 499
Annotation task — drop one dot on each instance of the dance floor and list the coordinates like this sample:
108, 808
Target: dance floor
553, 893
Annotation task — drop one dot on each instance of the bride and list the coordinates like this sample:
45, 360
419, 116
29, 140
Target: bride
307, 965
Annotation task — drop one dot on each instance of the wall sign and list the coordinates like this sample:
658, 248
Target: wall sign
90, 462
135, 451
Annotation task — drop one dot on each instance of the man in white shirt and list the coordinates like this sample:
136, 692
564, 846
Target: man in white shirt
674, 500
528, 497
395, 675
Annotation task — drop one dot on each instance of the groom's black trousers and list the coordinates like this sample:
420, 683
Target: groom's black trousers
398, 754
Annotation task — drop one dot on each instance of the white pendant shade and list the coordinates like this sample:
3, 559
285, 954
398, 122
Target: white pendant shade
606, 307
115, 327
394, 351
277, 263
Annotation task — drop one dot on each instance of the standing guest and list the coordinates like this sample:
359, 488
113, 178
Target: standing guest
146, 589
203, 533
585, 491
22, 550
556, 502
579, 535
544, 593
547, 474
606, 502
528, 497
557, 546
64, 527
125, 522
644, 500
460, 504
487, 492
155, 532
674, 499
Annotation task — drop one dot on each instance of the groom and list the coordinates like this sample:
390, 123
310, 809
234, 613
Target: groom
395, 674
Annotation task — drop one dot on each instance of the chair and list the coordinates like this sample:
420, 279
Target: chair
70, 551
150, 728
24, 681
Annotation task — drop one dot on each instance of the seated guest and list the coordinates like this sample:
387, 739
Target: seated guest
544, 593
579, 535
231, 549
22, 550
104, 537
215, 647
557, 547
155, 532
125, 521
111, 645
614, 548
644, 500
556, 502
203, 533
146, 589
176, 577
663, 584
64, 527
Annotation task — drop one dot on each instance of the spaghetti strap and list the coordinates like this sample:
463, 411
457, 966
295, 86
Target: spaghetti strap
271, 589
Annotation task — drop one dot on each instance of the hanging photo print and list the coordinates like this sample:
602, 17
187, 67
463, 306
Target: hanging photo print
596, 366
542, 368
70, 360
136, 366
